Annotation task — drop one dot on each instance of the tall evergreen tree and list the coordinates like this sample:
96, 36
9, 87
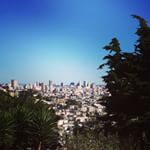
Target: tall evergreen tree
128, 82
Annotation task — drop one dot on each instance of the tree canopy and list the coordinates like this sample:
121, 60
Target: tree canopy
128, 81
26, 123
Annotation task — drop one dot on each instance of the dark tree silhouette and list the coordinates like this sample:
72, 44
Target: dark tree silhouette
128, 81
26, 123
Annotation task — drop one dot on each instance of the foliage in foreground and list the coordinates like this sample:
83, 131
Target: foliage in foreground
85, 138
128, 81
25, 123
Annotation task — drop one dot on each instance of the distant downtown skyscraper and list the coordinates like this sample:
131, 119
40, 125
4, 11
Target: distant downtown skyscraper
50, 85
85, 83
14, 84
61, 84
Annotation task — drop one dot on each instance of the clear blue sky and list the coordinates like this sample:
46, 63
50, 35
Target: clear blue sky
62, 40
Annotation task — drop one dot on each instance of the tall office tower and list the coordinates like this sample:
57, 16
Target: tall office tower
46, 88
42, 86
61, 84
14, 84
50, 85
37, 84
85, 83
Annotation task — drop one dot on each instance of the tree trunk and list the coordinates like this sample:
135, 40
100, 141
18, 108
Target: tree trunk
39, 146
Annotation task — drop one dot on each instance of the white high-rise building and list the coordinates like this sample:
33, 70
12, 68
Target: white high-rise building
42, 85
50, 85
14, 84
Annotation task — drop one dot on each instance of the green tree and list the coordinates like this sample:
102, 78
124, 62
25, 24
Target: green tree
26, 123
23, 118
128, 82
6, 121
44, 129
6, 130
89, 139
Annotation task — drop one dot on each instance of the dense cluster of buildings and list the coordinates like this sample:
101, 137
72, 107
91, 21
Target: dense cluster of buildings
74, 103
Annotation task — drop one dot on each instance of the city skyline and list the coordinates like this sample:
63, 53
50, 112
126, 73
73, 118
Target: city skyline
62, 41
14, 82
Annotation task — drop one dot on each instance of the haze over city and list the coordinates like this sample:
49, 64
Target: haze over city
62, 40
